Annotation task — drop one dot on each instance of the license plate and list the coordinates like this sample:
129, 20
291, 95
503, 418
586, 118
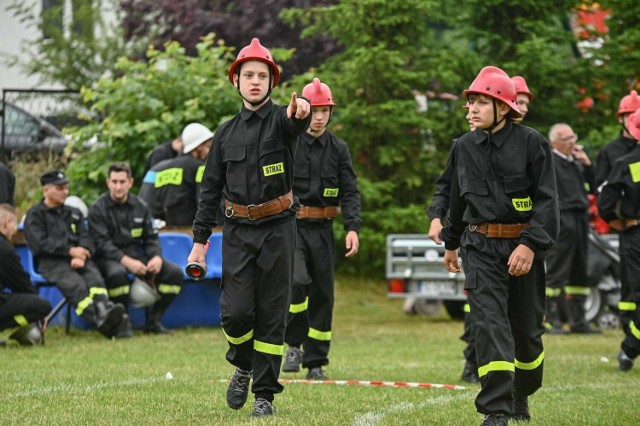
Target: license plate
438, 288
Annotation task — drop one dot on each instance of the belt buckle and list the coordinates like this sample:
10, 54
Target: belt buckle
473, 227
249, 207
229, 212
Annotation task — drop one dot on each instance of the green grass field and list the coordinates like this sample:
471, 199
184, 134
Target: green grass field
83, 379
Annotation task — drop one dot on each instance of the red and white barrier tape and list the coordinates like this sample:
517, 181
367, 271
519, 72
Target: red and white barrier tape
374, 383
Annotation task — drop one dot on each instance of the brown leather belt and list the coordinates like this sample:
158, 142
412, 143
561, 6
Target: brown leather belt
630, 223
254, 212
499, 230
309, 212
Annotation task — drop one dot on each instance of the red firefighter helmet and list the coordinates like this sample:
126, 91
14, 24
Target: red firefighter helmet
521, 86
629, 103
633, 124
255, 52
318, 93
493, 82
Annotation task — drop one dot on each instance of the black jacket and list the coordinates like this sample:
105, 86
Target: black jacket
160, 153
121, 229
620, 197
172, 189
509, 179
608, 155
52, 232
250, 162
571, 178
324, 176
7, 184
12, 274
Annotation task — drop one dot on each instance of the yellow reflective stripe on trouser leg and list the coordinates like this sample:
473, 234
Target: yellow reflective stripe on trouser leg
574, 290
169, 289
84, 303
530, 365
238, 340
319, 335
21, 320
496, 366
299, 307
119, 291
627, 306
634, 330
552, 292
268, 348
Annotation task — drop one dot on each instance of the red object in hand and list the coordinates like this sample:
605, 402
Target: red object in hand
195, 270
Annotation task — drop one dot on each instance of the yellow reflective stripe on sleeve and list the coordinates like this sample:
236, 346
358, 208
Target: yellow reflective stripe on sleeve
299, 307
467, 308
169, 289
238, 340
83, 304
97, 290
20, 320
199, 174
268, 348
530, 365
552, 292
574, 290
171, 176
119, 291
634, 168
634, 330
325, 336
627, 306
496, 366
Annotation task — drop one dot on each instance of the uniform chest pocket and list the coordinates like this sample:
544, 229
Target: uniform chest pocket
330, 183
515, 186
234, 157
271, 158
475, 186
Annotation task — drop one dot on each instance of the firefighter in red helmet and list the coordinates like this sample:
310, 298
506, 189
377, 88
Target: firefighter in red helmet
326, 185
250, 169
504, 216
524, 96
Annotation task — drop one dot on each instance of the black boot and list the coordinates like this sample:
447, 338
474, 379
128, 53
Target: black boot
552, 322
154, 319
125, 329
577, 319
108, 317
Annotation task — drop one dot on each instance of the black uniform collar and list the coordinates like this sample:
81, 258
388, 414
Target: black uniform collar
309, 139
111, 202
497, 138
629, 143
262, 112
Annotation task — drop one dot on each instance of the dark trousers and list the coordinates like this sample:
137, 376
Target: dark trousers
168, 281
468, 336
506, 314
630, 252
311, 310
257, 274
20, 309
630, 285
81, 287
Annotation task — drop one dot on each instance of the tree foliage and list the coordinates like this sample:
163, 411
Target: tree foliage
150, 102
234, 21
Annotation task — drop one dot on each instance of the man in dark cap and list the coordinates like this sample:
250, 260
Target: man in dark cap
58, 235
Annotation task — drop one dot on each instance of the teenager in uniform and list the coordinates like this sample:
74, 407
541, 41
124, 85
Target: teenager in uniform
325, 183
619, 204
165, 151
504, 216
524, 97
250, 167
22, 307
127, 243
58, 236
567, 259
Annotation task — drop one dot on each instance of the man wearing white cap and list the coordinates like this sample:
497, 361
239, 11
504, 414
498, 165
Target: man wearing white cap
172, 187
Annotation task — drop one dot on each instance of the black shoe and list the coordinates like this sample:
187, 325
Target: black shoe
108, 317
156, 327
292, 360
624, 362
317, 373
125, 329
585, 329
239, 389
495, 419
521, 410
263, 408
470, 373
